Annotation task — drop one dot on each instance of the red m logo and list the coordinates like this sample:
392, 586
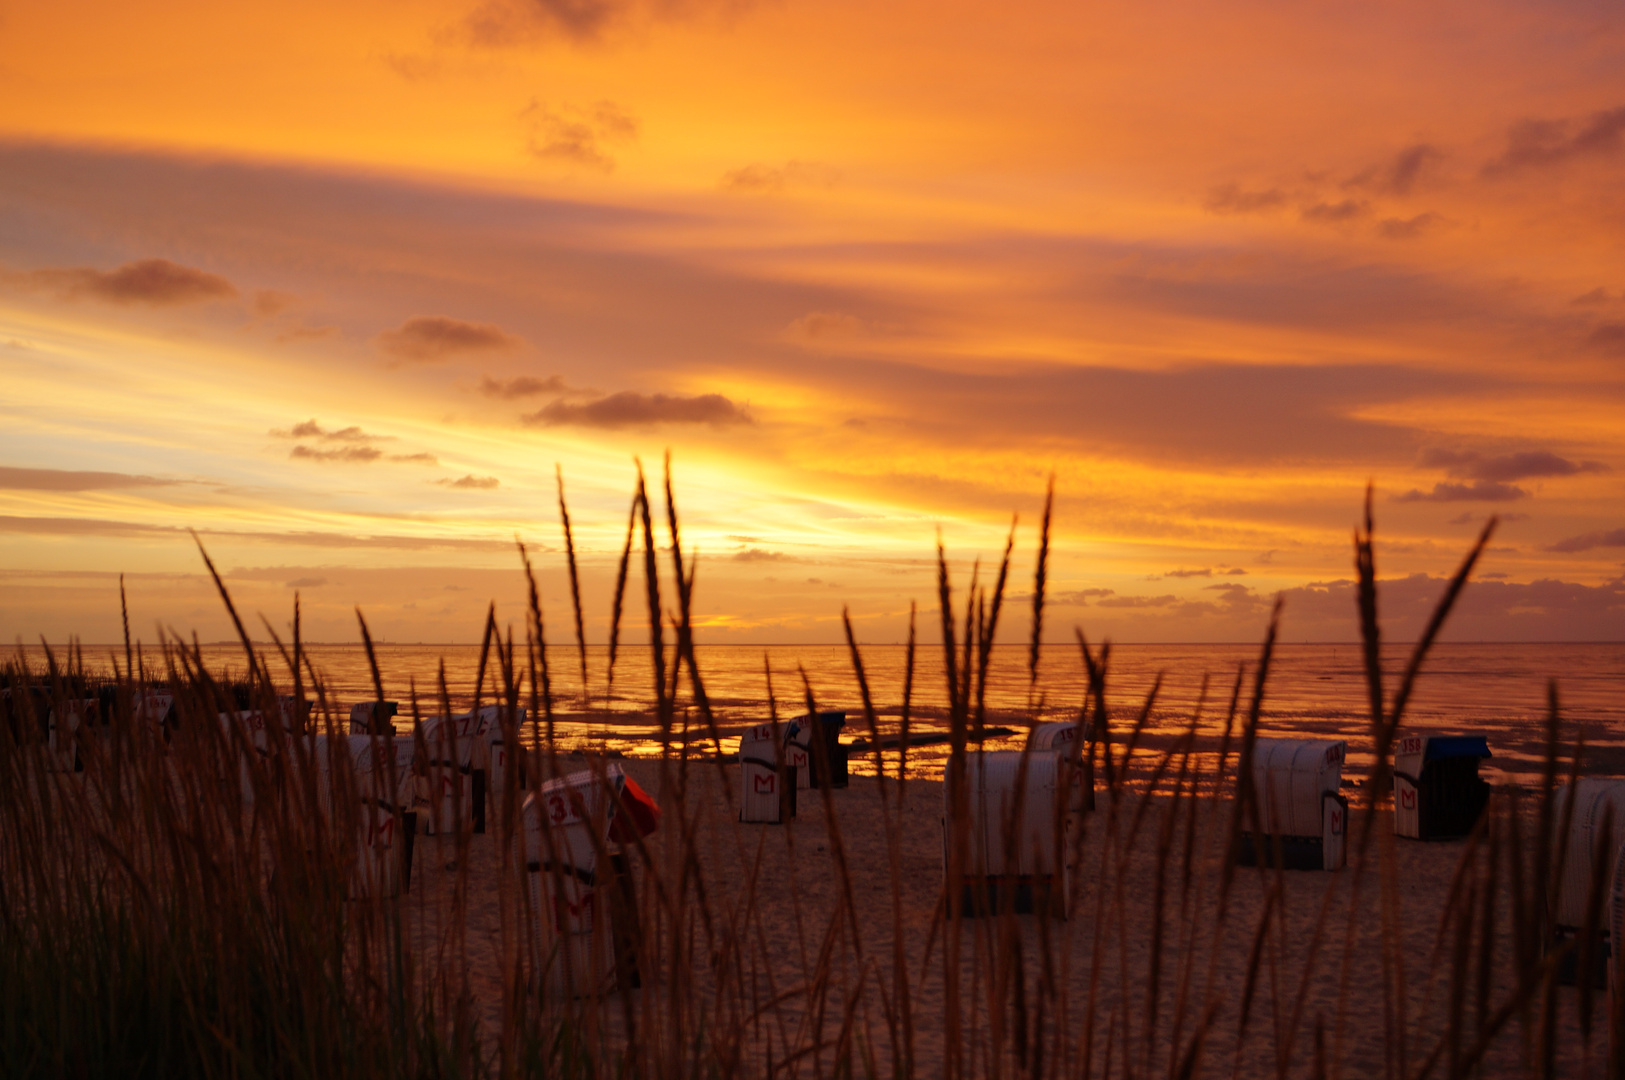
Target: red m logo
766, 783
1407, 798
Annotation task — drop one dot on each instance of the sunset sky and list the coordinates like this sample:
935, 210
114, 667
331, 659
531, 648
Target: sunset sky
338, 286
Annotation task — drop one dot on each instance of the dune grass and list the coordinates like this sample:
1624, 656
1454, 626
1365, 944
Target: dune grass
154, 922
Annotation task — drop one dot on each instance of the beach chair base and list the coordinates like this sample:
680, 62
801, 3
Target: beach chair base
1297, 852
1023, 895
1568, 970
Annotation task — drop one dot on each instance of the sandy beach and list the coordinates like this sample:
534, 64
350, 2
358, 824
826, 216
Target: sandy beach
775, 970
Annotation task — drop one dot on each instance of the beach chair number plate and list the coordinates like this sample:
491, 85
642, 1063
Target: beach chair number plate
562, 810
1411, 744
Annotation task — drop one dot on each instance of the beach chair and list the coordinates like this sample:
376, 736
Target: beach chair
1437, 792
154, 709
1068, 738
64, 723
1020, 815
767, 781
245, 735
1598, 807
294, 713
382, 772
454, 787
582, 903
373, 717
495, 752
1301, 811
817, 750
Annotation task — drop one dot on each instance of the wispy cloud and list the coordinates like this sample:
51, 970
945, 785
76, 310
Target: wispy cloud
1523, 465
522, 386
761, 179
575, 134
1234, 199
632, 409
350, 454
150, 282
430, 338
1477, 491
472, 482
15, 479
1537, 143
1590, 541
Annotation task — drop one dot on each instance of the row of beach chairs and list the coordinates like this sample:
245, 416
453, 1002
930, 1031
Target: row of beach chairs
578, 829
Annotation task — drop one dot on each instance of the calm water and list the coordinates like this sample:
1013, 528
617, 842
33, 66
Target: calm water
1496, 690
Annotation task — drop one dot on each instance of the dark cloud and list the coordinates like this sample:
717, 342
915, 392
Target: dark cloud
305, 583
415, 459
1235, 571
1599, 295
577, 134
1542, 143
350, 454
1408, 228
1232, 199
472, 482
1477, 491
1608, 338
522, 386
439, 337
14, 479
758, 555
1399, 174
1204, 572
499, 24
629, 408
504, 23
1335, 213
1136, 601
1499, 610
1524, 465
1079, 597
772, 179
155, 282
1591, 541
1469, 517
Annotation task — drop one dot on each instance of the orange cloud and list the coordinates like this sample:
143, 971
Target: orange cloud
430, 338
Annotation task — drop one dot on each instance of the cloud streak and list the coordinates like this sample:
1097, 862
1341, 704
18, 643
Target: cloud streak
147, 282
433, 338
65, 480
632, 409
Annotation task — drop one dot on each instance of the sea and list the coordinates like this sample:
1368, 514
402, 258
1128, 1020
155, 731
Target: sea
1155, 695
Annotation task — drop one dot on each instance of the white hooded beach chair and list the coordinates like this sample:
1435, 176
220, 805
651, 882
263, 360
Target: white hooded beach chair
1068, 738
384, 789
454, 788
63, 724
153, 709
1302, 812
1598, 807
493, 746
373, 717
1020, 816
581, 898
245, 735
1437, 792
767, 781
